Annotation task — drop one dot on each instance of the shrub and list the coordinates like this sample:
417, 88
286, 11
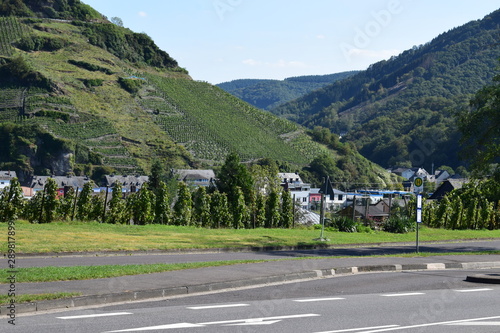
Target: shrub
399, 224
345, 224
130, 85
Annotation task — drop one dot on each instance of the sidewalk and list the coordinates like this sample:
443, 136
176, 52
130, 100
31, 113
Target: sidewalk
148, 286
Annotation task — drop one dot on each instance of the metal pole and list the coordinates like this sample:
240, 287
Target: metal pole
74, 204
322, 216
105, 203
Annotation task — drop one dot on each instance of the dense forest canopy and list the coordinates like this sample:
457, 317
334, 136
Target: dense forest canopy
401, 111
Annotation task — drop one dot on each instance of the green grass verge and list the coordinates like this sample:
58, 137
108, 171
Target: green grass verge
88, 237
4, 299
48, 274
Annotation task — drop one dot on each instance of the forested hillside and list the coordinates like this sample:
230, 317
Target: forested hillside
401, 111
81, 95
268, 94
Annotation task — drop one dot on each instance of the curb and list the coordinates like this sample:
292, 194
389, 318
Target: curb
128, 296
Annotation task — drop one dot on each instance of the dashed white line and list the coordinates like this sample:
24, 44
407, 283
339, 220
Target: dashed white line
216, 306
360, 329
96, 315
318, 299
472, 290
400, 295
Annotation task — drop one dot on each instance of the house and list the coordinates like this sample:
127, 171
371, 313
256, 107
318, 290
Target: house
6, 177
333, 200
298, 189
37, 183
195, 177
446, 187
128, 183
438, 177
409, 173
365, 212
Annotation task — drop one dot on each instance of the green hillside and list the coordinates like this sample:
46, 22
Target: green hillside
401, 111
268, 94
80, 95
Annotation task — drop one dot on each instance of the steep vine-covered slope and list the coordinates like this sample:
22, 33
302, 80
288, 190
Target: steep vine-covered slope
401, 111
81, 95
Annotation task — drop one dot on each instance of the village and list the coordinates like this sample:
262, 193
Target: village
369, 204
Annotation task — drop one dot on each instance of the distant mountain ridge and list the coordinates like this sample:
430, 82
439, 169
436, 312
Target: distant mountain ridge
401, 111
267, 94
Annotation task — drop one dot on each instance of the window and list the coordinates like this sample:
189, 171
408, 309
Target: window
304, 199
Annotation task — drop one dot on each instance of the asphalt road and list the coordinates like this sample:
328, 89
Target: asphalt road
151, 258
437, 301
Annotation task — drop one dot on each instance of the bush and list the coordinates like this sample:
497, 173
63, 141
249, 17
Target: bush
131, 85
399, 224
345, 224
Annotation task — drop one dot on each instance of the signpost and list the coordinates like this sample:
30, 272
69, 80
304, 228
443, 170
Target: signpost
419, 215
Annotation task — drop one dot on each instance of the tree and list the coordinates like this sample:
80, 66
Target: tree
49, 201
118, 21
116, 213
273, 210
183, 205
162, 205
241, 215
141, 206
11, 201
219, 211
286, 209
201, 207
232, 175
84, 204
480, 127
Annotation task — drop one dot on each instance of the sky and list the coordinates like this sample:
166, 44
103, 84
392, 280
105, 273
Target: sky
224, 40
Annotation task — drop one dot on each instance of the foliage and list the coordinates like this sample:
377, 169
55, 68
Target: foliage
127, 45
402, 110
57, 9
286, 210
90, 67
116, 212
480, 127
183, 206
11, 201
141, 206
41, 43
234, 177
344, 224
399, 224
474, 206
130, 85
18, 72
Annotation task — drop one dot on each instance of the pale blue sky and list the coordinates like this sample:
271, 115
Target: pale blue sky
223, 40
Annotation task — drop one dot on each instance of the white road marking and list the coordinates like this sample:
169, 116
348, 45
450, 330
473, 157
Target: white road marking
318, 299
216, 306
477, 323
472, 290
406, 294
248, 321
255, 323
431, 324
261, 319
160, 327
96, 315
360, 329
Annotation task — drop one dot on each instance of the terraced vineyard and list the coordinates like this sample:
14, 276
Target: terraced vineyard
10, 30
210, 123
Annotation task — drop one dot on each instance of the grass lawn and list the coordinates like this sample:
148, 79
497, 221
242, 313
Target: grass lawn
87, 237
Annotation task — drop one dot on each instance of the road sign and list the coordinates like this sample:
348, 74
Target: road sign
418, 184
